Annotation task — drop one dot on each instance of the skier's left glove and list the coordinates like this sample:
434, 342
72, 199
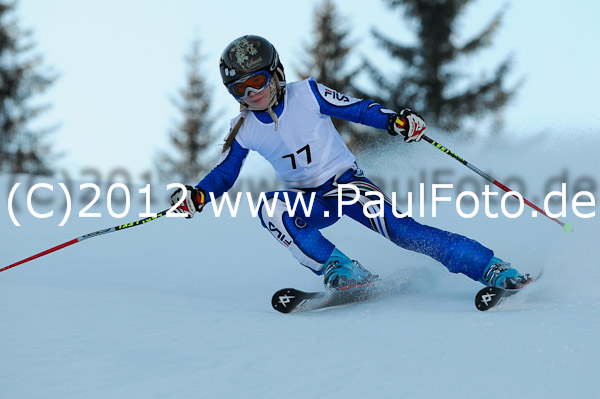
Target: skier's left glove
407, 123
194, 201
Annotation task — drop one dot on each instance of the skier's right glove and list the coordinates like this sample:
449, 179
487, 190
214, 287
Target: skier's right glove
195, 199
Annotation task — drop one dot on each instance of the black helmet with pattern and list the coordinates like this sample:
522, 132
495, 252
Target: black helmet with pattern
247, 55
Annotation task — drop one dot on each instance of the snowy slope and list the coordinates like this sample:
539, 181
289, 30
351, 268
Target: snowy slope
181, 309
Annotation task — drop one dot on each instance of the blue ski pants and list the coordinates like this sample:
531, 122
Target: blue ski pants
346, 195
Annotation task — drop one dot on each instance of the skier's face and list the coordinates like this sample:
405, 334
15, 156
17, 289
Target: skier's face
259, 100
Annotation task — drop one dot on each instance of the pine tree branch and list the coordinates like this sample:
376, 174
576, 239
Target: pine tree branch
483, 39
405, 53
483, 96
22, 149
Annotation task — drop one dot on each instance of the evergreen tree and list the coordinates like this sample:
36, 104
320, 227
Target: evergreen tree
22, 148
327, 60
192, 138
431, 79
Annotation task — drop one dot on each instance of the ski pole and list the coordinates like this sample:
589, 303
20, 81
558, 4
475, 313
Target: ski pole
85, 237
566, 226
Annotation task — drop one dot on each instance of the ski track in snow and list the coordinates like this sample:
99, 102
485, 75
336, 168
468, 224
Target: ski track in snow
181, 309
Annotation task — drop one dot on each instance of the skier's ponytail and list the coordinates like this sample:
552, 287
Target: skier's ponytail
233, 132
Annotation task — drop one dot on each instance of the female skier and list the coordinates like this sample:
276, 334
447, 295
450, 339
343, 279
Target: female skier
290, 126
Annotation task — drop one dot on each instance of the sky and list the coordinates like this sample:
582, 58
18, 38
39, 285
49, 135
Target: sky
120, 63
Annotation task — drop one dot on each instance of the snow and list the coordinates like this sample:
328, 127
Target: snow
180, 309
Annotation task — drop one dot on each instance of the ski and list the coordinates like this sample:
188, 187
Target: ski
489, 297
291, 300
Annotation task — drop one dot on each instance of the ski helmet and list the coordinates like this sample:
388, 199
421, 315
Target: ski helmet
247, 55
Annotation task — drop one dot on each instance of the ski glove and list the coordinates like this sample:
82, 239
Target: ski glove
195, 199
407, 123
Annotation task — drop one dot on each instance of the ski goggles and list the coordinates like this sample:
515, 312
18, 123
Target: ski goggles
254, 83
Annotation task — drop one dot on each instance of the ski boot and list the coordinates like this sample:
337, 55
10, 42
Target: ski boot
341, 273
499, 274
